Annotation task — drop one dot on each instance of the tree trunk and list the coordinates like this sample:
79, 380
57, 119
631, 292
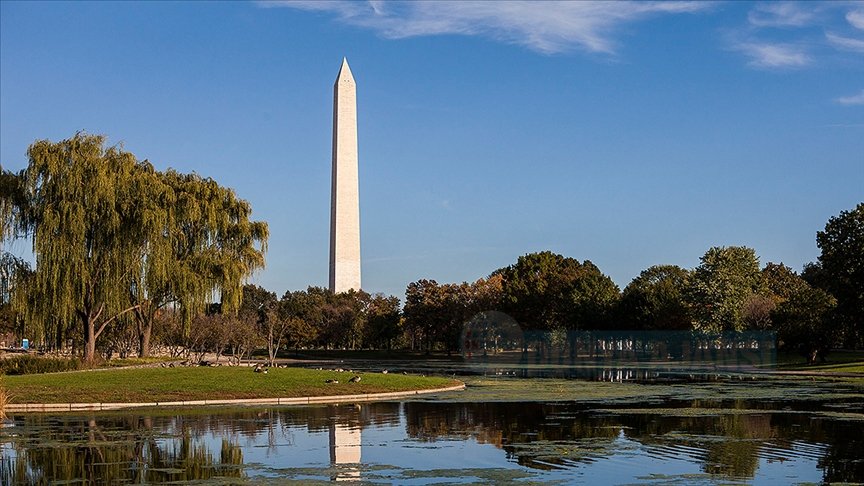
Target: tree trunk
89, 339
143, 316
89, 318
271, 353
144, 331
59, 343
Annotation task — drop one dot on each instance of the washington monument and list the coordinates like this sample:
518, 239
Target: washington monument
345, 197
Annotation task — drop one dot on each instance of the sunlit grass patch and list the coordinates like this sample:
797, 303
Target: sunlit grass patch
853, 367
837, 361
202, 383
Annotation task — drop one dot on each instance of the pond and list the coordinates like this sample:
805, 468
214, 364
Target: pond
722, 429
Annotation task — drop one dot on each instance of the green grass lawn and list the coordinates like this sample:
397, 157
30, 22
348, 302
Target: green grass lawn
183, 384
838, 361
853, 367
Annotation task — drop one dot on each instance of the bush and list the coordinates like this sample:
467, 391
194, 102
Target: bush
29, 364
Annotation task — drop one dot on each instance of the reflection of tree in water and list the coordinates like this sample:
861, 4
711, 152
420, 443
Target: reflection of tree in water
842, 462
151, 448
526, 431
161, 448
545, 436
112, 450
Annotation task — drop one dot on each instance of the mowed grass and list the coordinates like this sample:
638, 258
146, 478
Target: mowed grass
854, 367
201, 383
838, 362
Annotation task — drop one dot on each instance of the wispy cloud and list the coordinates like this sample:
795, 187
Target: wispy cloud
856, 99
547, 27
783, 35
845, 125
767, 55
785, 14
845, 43
856, 19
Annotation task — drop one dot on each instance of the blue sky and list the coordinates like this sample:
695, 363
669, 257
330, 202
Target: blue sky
628, 134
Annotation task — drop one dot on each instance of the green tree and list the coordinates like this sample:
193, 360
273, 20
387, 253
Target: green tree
90, 215
655, 300
14, 273
303, 311
148, 287
778, 283
13, 203
546, 291
113, 236
261, 307
457, 306
594, 296
383, 321
342, 318
435, 314
720, 287
256, 299
209, 244
815, 275
842, 260
487, 294
803, 322
536, 289
424, 314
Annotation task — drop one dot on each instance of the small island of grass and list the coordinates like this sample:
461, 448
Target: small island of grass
151, 385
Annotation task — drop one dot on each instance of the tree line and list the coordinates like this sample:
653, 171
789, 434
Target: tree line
729, 291
312, 319
128, 257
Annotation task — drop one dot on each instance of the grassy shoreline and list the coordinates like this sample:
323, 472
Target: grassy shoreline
202, 383
145, 382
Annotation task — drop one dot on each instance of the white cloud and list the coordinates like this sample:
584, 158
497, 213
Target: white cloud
798, 34
765, 55
548, 27
786, 14
847, 43
856, 18
856, 99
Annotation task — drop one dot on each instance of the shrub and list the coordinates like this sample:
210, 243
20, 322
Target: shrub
29, 364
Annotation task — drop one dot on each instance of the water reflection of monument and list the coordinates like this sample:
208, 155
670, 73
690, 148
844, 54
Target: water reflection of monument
345, 443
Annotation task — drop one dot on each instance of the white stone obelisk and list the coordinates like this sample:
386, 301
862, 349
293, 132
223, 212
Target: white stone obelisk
345, 197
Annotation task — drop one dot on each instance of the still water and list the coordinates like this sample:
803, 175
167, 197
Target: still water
694, 434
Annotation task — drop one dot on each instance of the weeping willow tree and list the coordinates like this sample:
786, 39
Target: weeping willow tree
90, 214
113, 236
15, 273
11, 202
209, 246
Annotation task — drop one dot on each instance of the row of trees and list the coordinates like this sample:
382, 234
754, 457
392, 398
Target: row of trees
727, 291
114, 239
131, 254
314, 318
318, 318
